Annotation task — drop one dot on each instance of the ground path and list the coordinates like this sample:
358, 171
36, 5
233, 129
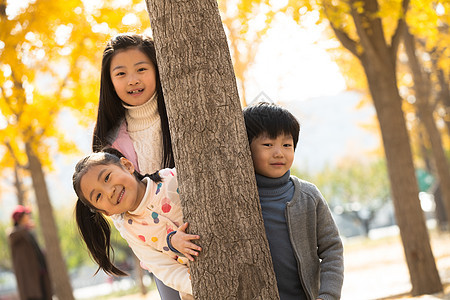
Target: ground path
376, 269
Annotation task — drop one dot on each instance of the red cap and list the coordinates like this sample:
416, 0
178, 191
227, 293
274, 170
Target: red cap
19, 211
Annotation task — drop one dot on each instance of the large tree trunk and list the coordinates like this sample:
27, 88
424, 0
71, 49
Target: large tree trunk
217, 182
409, 215
55, 261
379, 62
422, 87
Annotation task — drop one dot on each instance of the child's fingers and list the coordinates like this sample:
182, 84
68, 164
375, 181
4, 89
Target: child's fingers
193, 247
189, 257
189, 253
191, 237
183, 227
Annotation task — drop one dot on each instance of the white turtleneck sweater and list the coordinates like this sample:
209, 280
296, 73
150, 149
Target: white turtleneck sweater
144, 128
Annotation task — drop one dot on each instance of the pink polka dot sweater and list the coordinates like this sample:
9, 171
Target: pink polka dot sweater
146, 228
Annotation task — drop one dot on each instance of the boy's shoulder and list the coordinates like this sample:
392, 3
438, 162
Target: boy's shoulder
303, 183
305, 187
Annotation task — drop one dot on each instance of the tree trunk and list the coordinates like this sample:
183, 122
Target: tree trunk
19, 186
439, 210
216, 177
409, 215
139, 275
422, 87
55, 261
445, 97
379, 62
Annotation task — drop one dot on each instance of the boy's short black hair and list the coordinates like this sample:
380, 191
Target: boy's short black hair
271, 119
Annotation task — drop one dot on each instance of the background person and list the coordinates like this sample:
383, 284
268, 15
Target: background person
30, 267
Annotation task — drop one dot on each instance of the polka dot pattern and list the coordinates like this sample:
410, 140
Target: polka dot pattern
159, 214
155, 217
158, 188
166, 207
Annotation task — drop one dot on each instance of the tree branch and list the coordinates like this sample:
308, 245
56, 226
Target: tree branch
399, 31
366, 40
346, 41
342, 36
11, 151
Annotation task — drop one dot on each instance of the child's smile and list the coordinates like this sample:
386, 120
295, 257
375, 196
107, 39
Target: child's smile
121, 196
111, 188
133, 76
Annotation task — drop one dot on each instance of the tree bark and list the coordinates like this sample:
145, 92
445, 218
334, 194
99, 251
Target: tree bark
445, 97
379, 62
139, 275
19, 185
55, 261
422, 87
212, 156
409, 215
439, 211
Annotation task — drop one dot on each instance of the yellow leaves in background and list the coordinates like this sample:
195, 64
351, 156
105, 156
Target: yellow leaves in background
50, 58
50, 51
429, 21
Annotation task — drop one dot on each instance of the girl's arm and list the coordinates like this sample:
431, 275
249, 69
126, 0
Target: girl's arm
165, 268
181, 241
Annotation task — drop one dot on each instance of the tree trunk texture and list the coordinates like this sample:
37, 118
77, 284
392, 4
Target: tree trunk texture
18, 184
439, 211
409, 215
379, 62
55, 261
422, 87
216, 177
445, 97
139, 275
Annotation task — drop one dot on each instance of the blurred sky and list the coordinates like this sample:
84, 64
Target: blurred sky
292, 68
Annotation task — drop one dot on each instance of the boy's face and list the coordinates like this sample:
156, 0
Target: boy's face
272, 157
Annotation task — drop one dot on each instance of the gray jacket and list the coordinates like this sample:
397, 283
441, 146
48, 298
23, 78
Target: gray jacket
316, 242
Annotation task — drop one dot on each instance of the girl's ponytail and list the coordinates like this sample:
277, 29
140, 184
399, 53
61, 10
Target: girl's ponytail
96, 233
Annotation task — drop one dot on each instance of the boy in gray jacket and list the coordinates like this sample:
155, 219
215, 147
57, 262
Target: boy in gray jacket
304, 241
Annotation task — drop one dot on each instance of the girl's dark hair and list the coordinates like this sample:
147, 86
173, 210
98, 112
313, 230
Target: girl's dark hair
271, 119
92, 225
110, 109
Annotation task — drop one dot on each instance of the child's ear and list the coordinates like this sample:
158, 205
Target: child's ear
128, 165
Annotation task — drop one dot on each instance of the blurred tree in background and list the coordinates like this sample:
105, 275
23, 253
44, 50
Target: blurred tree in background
373, 31
356, 189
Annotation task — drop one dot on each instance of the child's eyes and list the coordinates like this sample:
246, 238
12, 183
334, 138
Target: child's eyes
142, 69
119, 74
287, 145
98, 197
267, 145
107, 177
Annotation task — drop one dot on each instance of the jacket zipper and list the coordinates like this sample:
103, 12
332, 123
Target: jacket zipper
297, 256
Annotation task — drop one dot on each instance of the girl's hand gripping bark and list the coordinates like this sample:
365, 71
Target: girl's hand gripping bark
181, 241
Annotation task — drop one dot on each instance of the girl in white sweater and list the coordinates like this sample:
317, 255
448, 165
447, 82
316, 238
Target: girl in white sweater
131, 113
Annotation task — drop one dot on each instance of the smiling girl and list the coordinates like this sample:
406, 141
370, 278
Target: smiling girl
146, 210
132, 115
